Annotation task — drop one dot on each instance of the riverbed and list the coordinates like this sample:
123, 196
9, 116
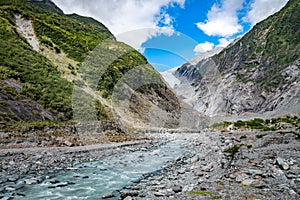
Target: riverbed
176, 166
93, 180
118, 166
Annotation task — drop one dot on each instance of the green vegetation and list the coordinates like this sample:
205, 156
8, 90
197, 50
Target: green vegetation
260, 135
117, 69
47, 6
74, 34
7, 73
102, 61
78, 62
232, 150
7, 118
100, 111
243, 137
295, 120
39, 124
252, 124
200, 192
261, 124
271, 45
110, 62
42, 82
86, 107
268, 124
223, 124
284, 34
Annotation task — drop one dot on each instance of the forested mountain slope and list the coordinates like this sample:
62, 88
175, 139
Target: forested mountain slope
61, 67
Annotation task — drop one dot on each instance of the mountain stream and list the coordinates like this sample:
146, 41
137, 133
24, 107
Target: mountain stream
94, 180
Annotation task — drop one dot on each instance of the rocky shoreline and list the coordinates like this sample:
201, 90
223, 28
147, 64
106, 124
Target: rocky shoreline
218, 165
22, 166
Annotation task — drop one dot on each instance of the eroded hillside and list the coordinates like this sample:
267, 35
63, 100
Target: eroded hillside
257, 73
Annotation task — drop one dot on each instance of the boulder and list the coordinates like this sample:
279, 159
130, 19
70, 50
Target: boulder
282, 164
31, 181
107, 196
68, 143
194, 159
177, 189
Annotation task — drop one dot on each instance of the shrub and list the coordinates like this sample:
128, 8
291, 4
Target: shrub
200, 192
232, 150
100, 111
239, 124
255, 123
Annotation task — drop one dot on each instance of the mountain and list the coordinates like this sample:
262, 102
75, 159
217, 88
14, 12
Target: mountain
47, 4
258, 73
60, 68
180, 75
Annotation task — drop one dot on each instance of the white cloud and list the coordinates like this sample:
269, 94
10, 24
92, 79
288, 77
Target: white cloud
137, 37
203, 47
261, 9
222, 20
126, 16
223, 42
167, 19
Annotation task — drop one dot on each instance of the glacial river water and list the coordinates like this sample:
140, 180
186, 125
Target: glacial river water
94, 179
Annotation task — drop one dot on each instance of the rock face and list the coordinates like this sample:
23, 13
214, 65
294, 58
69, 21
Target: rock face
257, 73
21, 108
25, 28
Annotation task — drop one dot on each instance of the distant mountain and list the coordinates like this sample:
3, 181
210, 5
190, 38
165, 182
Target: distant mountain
171, 75
258, 73
61, 67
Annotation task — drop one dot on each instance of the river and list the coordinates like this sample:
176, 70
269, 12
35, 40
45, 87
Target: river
92, 180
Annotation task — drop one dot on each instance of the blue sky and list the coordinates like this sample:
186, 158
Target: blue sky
180, 47
171, 32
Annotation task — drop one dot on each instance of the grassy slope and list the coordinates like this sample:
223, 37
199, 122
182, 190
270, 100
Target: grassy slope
74, 35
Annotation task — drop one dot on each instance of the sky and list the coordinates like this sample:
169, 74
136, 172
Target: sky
171, 32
